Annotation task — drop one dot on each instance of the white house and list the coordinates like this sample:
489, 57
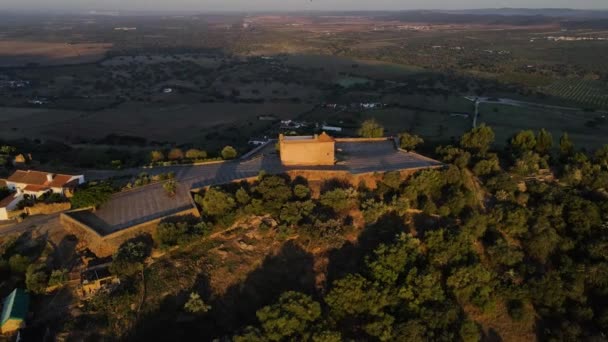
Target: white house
37, 183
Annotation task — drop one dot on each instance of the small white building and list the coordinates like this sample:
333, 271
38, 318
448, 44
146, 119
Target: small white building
331, 128
38, 183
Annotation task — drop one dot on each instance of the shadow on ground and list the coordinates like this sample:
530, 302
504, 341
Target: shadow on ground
290, 269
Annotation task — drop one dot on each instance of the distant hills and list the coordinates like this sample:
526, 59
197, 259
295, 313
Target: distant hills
544, 12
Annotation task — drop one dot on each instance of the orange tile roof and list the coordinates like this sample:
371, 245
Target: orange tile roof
35, 188
324, 137
39, 178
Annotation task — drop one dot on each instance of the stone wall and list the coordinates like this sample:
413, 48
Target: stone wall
106, 245
47, 208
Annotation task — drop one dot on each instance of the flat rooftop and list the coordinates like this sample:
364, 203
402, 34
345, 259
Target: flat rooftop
133, 207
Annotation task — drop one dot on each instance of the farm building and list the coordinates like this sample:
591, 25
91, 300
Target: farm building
14, 311
38, 183
307, 150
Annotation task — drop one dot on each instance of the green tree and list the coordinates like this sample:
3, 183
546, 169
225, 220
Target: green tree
327, 336
293, 212
371, 129
196, 305
171, 234
373, 209
529, 163
129, 258
175, 154
216, 202
36, 278
391, 261
301, 191
544, 142
157, 156
58, 277
454, 155
274, 192
566, 147
195, 154
409, 141
228, 152
486, 167
478, 140
242, 196
392, 179
470, 332
355, 296
18, 263
170, 187
6, 149
290, 318
524, 141
472, 284
92, 196
339, 199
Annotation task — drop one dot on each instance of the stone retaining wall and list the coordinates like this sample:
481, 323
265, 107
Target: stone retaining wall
47, 208
106, 245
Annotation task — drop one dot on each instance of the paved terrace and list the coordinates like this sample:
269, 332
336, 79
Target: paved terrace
150, 202
133, 207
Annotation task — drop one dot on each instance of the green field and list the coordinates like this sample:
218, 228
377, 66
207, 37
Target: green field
188, 122
589, 93
432, 126
586, 129
348, 82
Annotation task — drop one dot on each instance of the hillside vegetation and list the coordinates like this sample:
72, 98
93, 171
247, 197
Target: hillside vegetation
491, 246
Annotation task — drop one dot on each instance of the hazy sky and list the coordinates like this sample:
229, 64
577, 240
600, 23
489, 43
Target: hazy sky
280, 5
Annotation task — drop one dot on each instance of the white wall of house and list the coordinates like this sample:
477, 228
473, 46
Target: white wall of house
34, 193
80, 179
11, 185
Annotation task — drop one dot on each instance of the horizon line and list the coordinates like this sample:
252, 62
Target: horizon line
93, 11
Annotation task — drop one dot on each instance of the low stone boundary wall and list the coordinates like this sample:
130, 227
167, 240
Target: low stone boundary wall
47, 208
370, 179
362, 139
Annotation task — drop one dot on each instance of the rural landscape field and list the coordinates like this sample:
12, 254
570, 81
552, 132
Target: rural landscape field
356, 173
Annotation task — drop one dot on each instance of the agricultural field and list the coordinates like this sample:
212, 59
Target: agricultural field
204, 60
588, 93
336, 67
586, 129
178, 123
21, 53
433, 126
